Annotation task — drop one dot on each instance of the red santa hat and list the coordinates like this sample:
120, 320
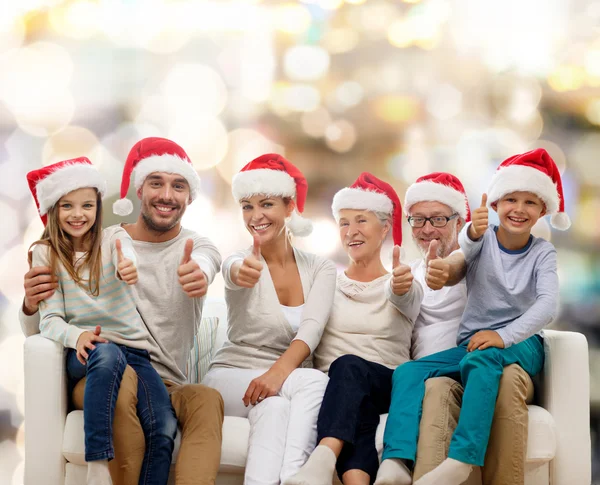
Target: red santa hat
535, 172
271, 174
439, 187
371, 194
49, 184
155, 155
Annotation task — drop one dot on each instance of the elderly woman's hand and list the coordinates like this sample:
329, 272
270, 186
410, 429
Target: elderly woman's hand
402, 277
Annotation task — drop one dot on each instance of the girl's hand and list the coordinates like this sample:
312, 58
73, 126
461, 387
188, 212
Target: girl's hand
125, 267
484, 339
264, 386
85, 342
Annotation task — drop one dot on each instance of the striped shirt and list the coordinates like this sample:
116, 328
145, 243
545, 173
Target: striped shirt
73, 310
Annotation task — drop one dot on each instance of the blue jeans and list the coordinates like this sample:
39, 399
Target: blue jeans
479, 372
104, 371
357, 393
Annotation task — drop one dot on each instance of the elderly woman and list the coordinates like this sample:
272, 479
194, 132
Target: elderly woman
278, 301
370, 327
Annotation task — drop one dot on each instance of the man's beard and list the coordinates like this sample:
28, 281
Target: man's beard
160, 228
445, 246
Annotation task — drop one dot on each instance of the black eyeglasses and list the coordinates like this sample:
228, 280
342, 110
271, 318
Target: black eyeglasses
435, 221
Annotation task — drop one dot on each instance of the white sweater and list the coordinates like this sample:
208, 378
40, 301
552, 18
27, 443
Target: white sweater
369, 321
258, 332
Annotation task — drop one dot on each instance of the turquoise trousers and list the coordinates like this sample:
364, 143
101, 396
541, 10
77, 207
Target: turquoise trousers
479, 372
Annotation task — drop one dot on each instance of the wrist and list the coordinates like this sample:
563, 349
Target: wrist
28, 309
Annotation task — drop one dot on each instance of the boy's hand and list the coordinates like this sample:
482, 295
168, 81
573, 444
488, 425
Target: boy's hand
479, 220
249, 272
484, 339
438, 269
125, 267
86, 341
402, 277
191, 276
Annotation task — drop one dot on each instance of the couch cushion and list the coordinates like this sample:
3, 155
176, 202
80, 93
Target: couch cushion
202, 350
233, 451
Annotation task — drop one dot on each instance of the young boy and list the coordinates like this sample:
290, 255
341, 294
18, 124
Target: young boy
512, 294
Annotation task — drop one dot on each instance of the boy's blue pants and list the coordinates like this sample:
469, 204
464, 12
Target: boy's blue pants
479, 372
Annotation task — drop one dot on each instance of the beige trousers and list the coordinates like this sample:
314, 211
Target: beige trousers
199, 411
507, 448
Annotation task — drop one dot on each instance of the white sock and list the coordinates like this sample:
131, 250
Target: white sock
393, 471
318, 469
449, 472
98, 473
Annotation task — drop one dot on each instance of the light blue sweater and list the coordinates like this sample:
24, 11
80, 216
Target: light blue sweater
514, 293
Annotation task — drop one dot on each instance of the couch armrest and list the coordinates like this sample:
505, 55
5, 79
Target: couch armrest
566, 395
45, 411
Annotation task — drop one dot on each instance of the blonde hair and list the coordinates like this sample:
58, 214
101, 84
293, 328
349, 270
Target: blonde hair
61, 249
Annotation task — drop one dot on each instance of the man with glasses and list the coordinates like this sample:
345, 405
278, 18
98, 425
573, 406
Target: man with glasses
437, 209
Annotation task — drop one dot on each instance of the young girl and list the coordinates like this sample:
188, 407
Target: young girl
94, 269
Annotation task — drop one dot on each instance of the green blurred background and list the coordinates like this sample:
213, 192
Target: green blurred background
399, 88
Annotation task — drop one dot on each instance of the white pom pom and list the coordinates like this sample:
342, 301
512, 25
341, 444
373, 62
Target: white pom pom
298, 225
123, 207
561, 221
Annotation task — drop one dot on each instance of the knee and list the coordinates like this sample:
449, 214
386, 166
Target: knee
516, 388
105, 356
274, 407
478, 359
442, 391
404, 371
165, 423
346, 365
198, 395
312, 379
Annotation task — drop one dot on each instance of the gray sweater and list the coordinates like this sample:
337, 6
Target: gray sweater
514, 293
258, 333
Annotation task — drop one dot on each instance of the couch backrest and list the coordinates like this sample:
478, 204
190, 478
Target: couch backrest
216, 307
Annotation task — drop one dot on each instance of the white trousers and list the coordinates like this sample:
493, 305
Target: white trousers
283, 428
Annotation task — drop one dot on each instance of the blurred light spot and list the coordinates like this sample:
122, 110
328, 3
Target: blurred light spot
199, 217
314, 123
245, 145
592, 62
356, 2
444, 102
192, 89
72, 142
204, 139
11, 349
19, 474
396, 109
12, 33
585, 155
302, 97
306, 63
592, 111
78, 20
10, 225
34, 229
291, 18
349, 93
326, 4
40, 108
324, 240
341, 39
373, 18
567, 78
340, 136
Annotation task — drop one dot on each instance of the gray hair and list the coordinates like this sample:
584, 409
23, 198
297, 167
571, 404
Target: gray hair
383, 217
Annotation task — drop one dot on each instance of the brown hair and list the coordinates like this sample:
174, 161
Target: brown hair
61, 249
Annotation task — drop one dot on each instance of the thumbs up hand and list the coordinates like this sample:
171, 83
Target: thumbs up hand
438, 269
402, 277
191, 277
479, 220
248, 273
125, 267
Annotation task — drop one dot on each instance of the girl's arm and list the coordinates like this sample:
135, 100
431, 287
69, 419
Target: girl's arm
52, 312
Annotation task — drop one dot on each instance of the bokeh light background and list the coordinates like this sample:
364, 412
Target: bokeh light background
399, 88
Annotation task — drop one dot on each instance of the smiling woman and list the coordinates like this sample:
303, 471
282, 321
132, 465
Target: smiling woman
278, 300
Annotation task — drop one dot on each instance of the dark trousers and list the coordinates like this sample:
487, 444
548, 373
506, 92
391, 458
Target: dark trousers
357, 393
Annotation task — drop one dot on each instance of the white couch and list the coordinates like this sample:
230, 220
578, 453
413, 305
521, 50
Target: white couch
558, 451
